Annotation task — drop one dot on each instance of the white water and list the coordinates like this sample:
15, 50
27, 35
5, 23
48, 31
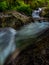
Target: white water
32, 30
7, 36
35, 13
7, 44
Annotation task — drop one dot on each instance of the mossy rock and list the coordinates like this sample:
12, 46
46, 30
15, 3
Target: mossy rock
14, 19
45, 12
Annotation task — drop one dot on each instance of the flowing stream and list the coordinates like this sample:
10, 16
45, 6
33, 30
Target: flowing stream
35, 13
7, 44
7, 35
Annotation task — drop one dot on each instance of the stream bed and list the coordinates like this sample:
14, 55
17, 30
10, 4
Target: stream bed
8, 36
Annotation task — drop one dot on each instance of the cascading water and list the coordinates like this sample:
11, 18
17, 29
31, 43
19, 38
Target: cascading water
31, 31
35, 13
7, 35
7, 44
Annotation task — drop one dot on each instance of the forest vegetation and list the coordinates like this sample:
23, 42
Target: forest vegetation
29, 35
23, 6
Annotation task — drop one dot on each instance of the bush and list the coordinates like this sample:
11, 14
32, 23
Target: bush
36, 4
3, 6
24, 8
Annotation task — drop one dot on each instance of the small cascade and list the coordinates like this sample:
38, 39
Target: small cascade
35, 13
7, 43
23, 36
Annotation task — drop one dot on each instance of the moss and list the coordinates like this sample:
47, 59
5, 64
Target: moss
45, 12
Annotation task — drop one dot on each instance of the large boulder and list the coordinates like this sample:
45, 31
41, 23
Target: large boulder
45, 12
14, 19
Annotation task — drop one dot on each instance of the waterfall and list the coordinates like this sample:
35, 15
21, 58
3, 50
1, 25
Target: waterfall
7, 43
30, 31
35, 13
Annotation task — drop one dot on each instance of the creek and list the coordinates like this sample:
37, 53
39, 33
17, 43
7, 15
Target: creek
29, 31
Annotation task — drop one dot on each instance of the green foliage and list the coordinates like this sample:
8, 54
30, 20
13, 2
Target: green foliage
21, 6
3, 6
24, 8
37, 3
